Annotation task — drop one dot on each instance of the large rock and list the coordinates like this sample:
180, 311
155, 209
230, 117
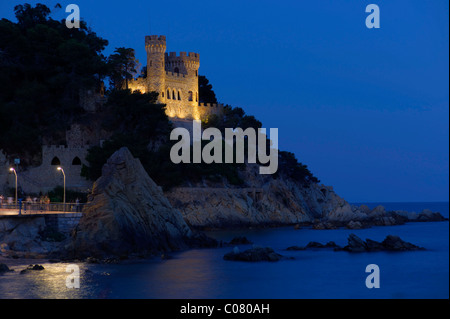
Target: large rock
390, 243
253, 254
22, 236
4, 268
395, 243
429, 216
127, 213
355, 244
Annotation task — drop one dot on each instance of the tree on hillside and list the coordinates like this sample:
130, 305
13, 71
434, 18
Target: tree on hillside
27, 16
123, 65
290, 167
205, 91
43, 67
135, 119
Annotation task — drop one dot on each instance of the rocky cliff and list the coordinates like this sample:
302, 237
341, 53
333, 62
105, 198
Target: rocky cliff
266, 200
128, 213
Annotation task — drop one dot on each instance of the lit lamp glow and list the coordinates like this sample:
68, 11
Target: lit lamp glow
64, 196
15, 173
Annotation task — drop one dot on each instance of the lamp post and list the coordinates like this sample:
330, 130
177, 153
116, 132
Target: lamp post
64, 175
15, 173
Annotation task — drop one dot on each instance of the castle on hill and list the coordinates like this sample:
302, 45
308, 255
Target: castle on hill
175, 79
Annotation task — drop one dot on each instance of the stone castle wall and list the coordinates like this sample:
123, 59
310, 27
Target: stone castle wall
46, 176
175, 78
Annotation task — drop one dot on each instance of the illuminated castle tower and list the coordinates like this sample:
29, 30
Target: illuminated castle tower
156, 75
175, 78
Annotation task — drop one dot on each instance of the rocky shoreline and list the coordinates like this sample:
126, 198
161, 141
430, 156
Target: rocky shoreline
129, 216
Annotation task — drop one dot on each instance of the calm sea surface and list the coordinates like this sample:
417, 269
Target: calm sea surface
322, 273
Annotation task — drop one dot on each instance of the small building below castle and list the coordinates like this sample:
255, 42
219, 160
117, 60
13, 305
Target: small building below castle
45, 177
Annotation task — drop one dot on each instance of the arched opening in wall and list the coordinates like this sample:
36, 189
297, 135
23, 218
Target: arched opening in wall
176, 70
196, 73
76, 161
162, 94
179, 95
190, 96
56, 161
168, 94
173, 95
196, 96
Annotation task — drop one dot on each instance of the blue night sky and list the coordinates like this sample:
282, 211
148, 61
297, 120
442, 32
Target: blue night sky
366, 109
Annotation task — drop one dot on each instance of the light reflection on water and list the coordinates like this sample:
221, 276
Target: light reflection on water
48, 283
202, 273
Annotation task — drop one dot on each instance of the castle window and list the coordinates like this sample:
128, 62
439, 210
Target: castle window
176, 70
168, 94
196, 73
162, 93
196, 96
190, 96
173, 95
56, 161
179, 95
76, 161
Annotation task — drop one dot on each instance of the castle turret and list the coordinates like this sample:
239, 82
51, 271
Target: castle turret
156, 47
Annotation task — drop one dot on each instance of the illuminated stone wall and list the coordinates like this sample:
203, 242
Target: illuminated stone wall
175, 78
46, 177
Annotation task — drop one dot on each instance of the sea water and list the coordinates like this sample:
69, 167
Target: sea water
315, 273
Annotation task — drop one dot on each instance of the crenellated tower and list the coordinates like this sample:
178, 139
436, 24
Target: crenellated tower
175, 78
156, 74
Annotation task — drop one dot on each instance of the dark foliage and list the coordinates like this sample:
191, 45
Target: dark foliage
122, 65
205, 91
43, 67
289, 166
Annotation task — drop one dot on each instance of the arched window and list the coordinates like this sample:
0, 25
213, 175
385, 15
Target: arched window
168, 94
173, 95
196, 96
176, 70
179, 95
190, 96
162, 94
76, 161
56, 161
196, 73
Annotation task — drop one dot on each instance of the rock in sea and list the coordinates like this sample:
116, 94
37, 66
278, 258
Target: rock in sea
127, 213
32, 268
254, 254
4, 268
240, 240
390, 243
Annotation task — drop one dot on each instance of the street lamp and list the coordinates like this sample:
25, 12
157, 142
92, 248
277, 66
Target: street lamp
15, 173
64, 175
